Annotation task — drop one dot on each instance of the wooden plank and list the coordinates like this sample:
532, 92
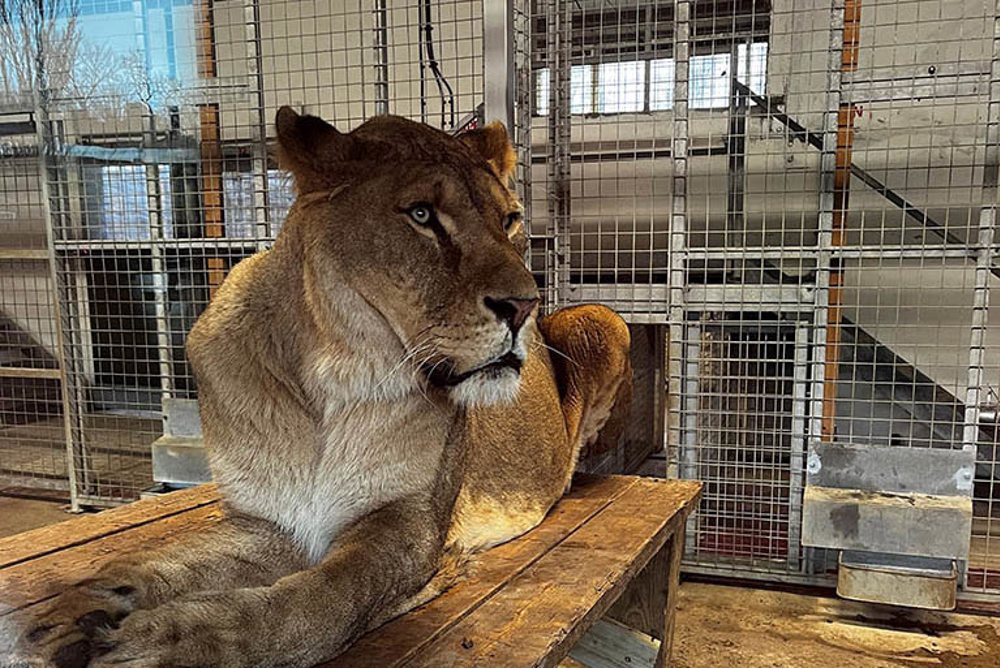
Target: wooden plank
28, 372
613, 645
32, 581
676, 556
46, 540
532, 597
399, 640
540, 615
643, 605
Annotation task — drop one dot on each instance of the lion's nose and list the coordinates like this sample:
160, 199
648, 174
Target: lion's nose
512, 310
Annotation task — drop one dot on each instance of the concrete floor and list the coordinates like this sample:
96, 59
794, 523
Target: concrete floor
19, 514
720, 626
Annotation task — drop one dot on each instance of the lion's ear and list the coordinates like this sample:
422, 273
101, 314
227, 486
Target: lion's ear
493, 143
308, 146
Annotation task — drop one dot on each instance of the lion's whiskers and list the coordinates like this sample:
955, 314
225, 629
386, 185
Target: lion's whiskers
557, 352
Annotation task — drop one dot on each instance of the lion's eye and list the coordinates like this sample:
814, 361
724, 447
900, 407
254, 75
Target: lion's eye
511, 219
421, 213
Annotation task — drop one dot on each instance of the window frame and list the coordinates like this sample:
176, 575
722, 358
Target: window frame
540, 110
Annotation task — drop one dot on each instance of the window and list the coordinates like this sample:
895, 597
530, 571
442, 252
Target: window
621, 87
124, 203
661, 84
648, 85
238, 200
709, 78
581, 90
758, 66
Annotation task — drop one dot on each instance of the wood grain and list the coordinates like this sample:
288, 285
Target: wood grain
540, 614
676, 556
525, 603
45, 576
39, 542
401, 639
643, 604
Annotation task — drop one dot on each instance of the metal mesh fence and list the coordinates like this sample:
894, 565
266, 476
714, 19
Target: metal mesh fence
797, 197
32, 434
803, 195
155, 179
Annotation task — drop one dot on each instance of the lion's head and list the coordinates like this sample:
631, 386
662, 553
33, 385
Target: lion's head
424, 227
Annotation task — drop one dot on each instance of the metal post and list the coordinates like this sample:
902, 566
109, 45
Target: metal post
255, 73
827, 187
685, 342
498, 62
841, 205
678, 229
68, 380
558, 43
796, 460
736, 148
986, 251
161, 280
381, 59
688, 458
154, 205
521, 130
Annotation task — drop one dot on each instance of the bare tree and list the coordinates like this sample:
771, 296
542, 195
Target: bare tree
97, 80
149, 88
39, 42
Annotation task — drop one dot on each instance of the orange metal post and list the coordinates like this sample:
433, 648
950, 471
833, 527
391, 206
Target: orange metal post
841, 205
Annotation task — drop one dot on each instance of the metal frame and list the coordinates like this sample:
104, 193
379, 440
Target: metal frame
498, 63
615, 195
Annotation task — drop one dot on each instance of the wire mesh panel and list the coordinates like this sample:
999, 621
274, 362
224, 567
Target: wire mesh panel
798, 195
803, 193
32, 430
155, 175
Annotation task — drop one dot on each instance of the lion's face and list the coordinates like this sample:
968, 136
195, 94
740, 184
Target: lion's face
423, 227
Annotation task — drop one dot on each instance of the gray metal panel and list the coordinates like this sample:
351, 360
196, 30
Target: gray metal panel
180, 461
891, 469
498, 63
898, 580
181, 417
914, 524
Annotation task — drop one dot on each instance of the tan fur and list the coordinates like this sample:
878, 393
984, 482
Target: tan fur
351, 467
521, 460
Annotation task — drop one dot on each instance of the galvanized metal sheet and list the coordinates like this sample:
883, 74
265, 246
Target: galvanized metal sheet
891, 469
882, 579
912, 524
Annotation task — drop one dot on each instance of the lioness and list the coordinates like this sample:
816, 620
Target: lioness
376, 395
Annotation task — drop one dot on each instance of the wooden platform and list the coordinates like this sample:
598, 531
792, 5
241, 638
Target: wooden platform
611, 548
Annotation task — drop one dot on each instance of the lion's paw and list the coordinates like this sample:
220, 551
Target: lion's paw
64, 632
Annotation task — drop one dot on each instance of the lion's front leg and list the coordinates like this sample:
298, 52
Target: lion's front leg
237, 552
303, 618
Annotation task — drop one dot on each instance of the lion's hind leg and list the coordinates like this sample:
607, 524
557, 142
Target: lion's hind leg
589, 347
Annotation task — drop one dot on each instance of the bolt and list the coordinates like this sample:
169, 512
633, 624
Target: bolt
932, 69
